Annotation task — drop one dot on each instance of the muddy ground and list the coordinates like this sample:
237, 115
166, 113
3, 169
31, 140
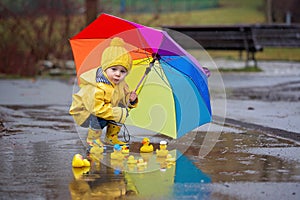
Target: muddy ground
255, 156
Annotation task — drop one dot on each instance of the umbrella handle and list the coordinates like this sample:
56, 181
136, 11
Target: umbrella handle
148, 69
155, 57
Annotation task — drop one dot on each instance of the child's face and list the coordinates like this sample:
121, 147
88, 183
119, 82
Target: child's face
116, 73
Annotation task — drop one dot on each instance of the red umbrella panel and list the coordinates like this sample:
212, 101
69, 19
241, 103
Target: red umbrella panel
142, 41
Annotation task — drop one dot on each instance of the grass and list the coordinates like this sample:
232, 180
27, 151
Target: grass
229, 12
287, 54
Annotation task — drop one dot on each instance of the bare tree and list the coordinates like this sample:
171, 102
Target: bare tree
40, 30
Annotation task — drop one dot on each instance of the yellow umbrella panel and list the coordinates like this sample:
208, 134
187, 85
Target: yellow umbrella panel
156, 108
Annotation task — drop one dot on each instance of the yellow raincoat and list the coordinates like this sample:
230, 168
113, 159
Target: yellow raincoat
104, 100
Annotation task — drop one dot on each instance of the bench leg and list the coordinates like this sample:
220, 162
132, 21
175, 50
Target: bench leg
254, 59
247, 59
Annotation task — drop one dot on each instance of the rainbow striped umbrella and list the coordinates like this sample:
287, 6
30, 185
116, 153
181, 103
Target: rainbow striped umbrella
171, 84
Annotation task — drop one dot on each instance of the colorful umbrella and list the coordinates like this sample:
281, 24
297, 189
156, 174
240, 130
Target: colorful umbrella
173, 92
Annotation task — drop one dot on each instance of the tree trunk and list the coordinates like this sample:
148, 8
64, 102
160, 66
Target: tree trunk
91, 10
269, 11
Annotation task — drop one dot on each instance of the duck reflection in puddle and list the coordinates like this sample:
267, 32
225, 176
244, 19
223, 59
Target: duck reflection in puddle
161, 177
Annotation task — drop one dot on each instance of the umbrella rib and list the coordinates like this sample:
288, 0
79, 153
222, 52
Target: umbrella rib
160, 74
142, 61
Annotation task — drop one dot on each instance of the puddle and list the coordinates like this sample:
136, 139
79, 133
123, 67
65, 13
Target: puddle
37, 150
252, 157
179, 180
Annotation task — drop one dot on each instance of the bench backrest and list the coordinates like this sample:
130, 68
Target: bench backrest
251, 38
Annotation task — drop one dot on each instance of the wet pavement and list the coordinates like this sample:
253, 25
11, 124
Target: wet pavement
255, 156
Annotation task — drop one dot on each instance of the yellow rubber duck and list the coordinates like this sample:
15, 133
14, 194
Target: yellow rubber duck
146, 156
170, 159
162, 151
78, 172
118, 165
147, 147
131, 160
117, 154
86, 163
125, 149
79, 161
141, 164
96, 154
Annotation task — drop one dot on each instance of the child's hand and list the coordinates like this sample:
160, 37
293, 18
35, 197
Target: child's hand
132, 96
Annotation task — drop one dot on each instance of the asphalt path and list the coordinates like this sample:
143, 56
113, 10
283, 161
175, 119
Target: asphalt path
255, 148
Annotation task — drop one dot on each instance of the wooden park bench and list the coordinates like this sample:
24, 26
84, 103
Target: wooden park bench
249, 38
